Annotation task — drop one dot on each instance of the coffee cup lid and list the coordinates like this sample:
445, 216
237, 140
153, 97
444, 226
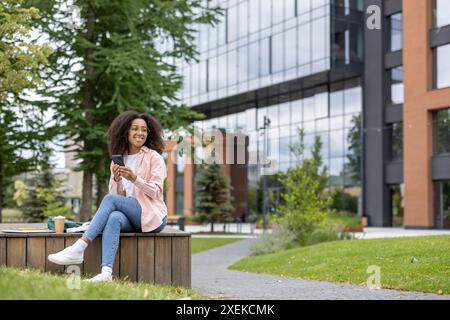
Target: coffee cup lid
59, 218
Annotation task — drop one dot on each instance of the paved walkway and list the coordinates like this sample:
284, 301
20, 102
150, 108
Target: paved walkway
210, 276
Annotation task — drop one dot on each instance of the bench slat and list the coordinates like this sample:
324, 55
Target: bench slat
116, 267
128, 258
93, 257
3, 252
163, 260
181, 262
36, 253
53, 245
16, 255
146, 259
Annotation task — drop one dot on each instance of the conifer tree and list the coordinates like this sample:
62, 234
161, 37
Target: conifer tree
213, 201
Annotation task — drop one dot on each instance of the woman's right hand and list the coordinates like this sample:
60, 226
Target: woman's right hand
116, 172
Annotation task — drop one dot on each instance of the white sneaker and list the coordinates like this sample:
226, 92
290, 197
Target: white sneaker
101, 277
66, 257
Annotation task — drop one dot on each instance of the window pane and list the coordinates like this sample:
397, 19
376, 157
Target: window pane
232, 23
321, 105
397, 95
443, 66
397, 141
304, 44
308, 109
303, 7
232, 67
285, 113
443, 131
290, 51
254, 15
337, 103
264, 56
442, 13
277, 11
243, 19
396, 32
289, 9
222, 71
266, 14
353, 100
254, 61
243, 64
277, 53
296, 111
319, 38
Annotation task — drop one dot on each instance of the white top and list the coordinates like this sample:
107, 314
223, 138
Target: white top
130, 162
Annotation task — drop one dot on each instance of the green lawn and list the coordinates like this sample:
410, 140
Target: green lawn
203, 244
347, 262
31, 284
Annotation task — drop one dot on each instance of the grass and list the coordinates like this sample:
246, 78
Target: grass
31, 284
346, 220
203, 244
347, 262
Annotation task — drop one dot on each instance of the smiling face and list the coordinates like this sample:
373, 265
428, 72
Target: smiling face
137, 135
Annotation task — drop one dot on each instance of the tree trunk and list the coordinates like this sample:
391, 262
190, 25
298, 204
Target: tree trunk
89, 105
212, 226
102, 187
86, 203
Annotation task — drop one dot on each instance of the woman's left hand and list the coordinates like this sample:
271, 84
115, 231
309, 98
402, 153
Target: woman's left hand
127, 173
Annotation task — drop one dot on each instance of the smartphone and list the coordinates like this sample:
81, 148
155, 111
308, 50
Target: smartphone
118, 159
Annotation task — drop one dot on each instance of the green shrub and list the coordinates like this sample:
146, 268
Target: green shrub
344, 202
281, 238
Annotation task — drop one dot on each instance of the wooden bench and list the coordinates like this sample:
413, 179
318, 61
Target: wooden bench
162, 258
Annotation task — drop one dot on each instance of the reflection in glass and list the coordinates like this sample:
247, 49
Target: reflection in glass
277, 11
396, 131
443, 66
397, 204
442, 205
303, 7
443, 131
243, 64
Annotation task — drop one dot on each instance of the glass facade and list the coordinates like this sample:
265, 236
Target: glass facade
443, 66
396, 22
330, 114
257, 44
442, 13
397, 88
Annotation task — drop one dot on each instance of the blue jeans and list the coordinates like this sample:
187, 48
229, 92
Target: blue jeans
115, 214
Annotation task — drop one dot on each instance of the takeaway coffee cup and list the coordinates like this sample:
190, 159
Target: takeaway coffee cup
59, 224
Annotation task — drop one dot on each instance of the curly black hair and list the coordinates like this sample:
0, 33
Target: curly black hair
117, 134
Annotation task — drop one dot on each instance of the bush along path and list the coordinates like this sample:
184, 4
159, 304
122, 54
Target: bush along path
211, 276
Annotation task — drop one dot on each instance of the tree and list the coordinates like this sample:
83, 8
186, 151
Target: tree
213, 201
42, 196
306, 203
111, 59
20, 60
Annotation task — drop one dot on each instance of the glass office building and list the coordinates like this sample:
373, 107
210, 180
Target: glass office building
298, 63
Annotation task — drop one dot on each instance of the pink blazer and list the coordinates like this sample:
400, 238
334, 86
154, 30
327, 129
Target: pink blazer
151, 172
